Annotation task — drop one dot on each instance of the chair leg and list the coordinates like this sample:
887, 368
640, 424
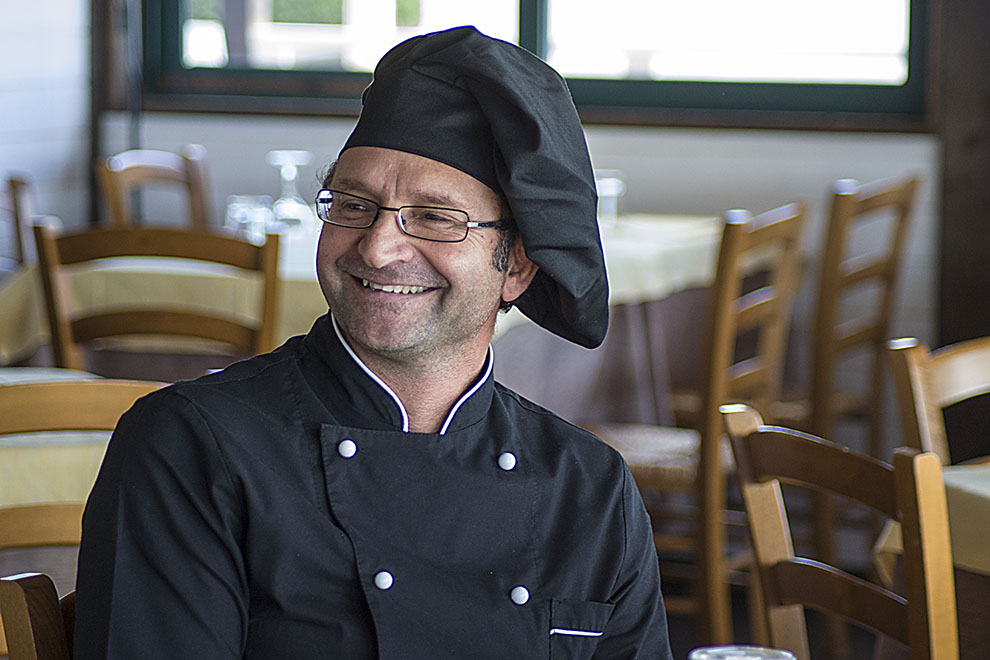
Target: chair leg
758, 633
713, 582
825, 514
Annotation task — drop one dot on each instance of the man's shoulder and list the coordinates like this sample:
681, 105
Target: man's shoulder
539, 426
256, 385
259, 372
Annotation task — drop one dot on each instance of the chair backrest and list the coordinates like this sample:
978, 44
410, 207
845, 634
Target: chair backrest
20, 208
123, 173
911, 492
59, 405
37, 624
94, 404
71, 328
926, 382
766, 249
846, 271
20, 203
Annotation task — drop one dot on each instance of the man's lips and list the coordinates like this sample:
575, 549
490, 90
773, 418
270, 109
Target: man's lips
393, 288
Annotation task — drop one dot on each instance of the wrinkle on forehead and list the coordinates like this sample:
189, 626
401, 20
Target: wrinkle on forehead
397, 178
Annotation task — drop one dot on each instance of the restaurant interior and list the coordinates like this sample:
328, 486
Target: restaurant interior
685, 177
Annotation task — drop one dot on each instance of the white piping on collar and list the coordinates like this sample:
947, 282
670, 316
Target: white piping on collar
373, 376
474, 388
489, 363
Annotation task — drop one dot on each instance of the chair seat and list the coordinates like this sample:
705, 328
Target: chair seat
659, 457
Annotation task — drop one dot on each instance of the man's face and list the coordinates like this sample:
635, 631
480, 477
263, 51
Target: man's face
400, 297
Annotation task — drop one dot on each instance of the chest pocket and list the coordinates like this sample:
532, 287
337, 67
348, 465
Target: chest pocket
576, 626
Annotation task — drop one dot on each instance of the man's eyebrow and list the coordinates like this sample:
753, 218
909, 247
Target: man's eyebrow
350, 184
417, 197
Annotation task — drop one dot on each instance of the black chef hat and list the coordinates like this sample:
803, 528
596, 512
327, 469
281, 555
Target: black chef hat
497, 112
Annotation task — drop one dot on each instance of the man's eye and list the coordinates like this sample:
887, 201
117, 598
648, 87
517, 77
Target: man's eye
436, 217
354, 207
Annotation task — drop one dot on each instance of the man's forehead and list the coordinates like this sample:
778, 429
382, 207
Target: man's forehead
379, 169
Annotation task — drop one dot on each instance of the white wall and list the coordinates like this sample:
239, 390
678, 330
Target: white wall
44, 103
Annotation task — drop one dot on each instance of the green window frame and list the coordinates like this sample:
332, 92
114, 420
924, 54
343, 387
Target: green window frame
168, 86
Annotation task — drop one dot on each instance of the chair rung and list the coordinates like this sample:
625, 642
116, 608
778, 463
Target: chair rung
681, 605
673, 543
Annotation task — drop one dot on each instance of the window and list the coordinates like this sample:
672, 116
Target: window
820, 61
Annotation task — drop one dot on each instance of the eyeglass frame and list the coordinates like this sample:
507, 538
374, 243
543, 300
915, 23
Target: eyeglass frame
400, 221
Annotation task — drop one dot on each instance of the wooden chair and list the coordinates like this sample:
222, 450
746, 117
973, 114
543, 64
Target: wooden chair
38, 625
22, 212
885, 208
63, 405
129, 170
665, 461
22, 216
927, 382
70, 328
911, 492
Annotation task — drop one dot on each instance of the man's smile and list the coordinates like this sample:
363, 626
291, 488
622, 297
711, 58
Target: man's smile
393, 288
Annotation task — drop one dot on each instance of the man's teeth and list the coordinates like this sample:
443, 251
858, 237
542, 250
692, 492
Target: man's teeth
393, 288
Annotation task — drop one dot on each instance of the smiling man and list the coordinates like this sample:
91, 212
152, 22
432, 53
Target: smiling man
368, 490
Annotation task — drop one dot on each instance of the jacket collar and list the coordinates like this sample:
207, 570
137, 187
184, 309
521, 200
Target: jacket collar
357, 397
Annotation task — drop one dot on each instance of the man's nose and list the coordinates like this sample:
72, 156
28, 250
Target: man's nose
384, 242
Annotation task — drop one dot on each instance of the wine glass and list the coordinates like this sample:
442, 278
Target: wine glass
290, 210
739, 652
249, 216
611, 187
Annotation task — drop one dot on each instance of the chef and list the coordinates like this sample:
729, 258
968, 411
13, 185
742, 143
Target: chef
368, 490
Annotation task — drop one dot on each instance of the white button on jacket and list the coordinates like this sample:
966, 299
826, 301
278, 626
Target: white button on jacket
383, 580
347, 448
507, 461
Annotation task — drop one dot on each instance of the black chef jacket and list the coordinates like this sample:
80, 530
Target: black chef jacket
278, 509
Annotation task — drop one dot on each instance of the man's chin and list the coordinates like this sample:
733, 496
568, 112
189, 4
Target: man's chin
387, 339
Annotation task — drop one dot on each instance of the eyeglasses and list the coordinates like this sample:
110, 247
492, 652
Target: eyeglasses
430, 223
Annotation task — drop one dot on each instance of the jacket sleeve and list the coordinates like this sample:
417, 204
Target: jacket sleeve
637, 627
160, 572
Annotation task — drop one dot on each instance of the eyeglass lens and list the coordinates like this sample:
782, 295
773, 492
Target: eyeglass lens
432, 223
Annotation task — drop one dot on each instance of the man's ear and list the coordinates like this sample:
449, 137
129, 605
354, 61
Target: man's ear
519, 273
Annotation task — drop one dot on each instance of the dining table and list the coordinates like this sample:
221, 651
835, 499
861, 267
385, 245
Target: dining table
658, 266
659, 271
967, 497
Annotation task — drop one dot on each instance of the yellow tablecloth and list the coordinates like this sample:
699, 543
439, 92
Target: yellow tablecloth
967, 493
69, 460
967, 496
23, 327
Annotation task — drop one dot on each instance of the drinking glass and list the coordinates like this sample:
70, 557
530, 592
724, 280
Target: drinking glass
739, 652
611, 187
249, 216
290, 210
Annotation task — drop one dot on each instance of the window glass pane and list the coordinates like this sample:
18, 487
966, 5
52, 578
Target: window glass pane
811, 41
325, 35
